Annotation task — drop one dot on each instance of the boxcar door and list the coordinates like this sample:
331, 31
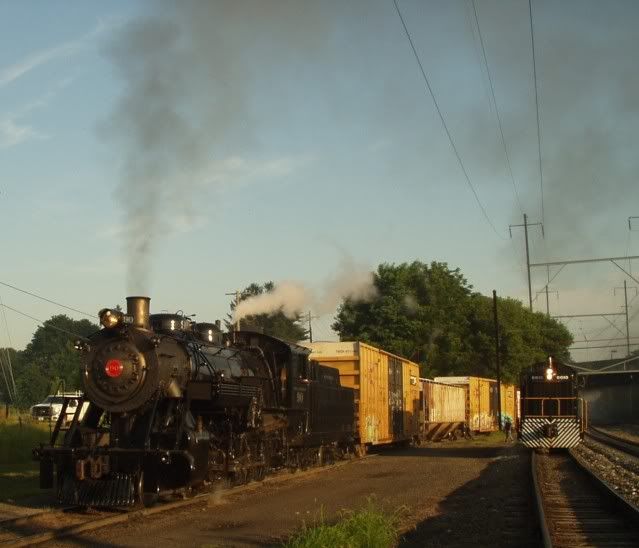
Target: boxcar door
395, 399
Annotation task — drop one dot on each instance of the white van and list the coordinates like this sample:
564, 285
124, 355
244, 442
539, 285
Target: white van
51, 407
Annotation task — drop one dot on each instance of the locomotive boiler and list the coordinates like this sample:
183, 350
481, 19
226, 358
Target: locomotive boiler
175, 405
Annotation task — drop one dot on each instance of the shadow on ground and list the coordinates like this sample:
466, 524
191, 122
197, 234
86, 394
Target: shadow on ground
445, 450
496, 509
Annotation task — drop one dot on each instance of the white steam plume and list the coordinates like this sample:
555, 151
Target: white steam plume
288, 297
292, 298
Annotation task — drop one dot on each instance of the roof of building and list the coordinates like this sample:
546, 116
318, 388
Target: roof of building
607, 366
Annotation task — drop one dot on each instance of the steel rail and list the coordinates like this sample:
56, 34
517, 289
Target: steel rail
613, 441
590, 513
541, 513
92, 524
627, 507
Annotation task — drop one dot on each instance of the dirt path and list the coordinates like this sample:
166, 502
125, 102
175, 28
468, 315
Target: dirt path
411, 481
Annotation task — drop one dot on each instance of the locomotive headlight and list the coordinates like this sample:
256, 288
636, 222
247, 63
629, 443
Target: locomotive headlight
110, 318
550, 373
113, 368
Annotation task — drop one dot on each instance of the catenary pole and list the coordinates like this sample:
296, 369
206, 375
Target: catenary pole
526, 225
497, 358
625, 298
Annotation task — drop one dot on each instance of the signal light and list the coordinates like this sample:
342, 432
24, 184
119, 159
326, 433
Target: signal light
113, 368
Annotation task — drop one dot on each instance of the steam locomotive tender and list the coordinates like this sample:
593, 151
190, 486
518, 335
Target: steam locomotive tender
173, 406
552, 414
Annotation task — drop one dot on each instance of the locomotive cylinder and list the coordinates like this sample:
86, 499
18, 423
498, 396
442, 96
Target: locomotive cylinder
138, 309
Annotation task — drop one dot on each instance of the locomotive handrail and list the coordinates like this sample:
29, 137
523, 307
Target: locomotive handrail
581, 409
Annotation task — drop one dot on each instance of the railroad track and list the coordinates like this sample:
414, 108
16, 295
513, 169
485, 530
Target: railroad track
613, 441
577, 508
48, 525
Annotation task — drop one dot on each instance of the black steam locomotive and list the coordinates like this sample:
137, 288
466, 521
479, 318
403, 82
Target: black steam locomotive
175, 405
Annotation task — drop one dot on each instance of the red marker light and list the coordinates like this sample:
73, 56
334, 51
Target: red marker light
113, 368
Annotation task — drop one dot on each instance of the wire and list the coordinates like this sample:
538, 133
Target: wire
43, 324
492, 91
46, 300
628, 251
534, 62
6, 324
6, 381
443, 121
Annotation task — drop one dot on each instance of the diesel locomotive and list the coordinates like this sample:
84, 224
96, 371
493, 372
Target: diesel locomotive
552, 414
175, 405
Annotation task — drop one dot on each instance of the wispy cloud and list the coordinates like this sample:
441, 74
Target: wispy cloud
237, 171
12, 133
20, 68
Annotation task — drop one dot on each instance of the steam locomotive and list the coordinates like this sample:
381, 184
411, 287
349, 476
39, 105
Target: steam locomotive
552, 414
175, 405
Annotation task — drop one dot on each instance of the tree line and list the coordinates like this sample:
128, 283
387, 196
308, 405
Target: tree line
428, 313
49, 361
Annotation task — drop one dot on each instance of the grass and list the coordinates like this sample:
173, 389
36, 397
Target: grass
369, 527
491, 438
18, 471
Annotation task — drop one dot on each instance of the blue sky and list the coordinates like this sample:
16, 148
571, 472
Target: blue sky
311, 138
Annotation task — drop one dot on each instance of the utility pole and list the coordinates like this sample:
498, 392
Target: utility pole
625, 299
237, 301
497, 357
547, 283
310, 325
526, 225
548, 292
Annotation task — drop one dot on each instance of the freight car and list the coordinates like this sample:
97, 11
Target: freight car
552, 414
442, 411
173, 406
482, 401
386, 390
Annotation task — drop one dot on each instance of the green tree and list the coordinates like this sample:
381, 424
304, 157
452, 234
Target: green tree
430, 314
419, 313
50, 358
525, 337
276, 325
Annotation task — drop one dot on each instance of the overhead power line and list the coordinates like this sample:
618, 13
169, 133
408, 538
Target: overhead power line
492, 91
534, 62
47, 300
443, 121
42, 323
8, 356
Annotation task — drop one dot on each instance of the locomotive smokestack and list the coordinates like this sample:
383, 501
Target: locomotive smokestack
138, 309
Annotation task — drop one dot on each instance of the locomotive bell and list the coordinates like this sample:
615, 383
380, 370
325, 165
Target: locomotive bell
138, 309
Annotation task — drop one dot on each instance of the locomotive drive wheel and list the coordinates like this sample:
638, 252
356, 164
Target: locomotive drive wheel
148, 499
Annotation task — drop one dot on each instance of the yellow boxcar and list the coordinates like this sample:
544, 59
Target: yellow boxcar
386, 389
509, 401
482, 410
